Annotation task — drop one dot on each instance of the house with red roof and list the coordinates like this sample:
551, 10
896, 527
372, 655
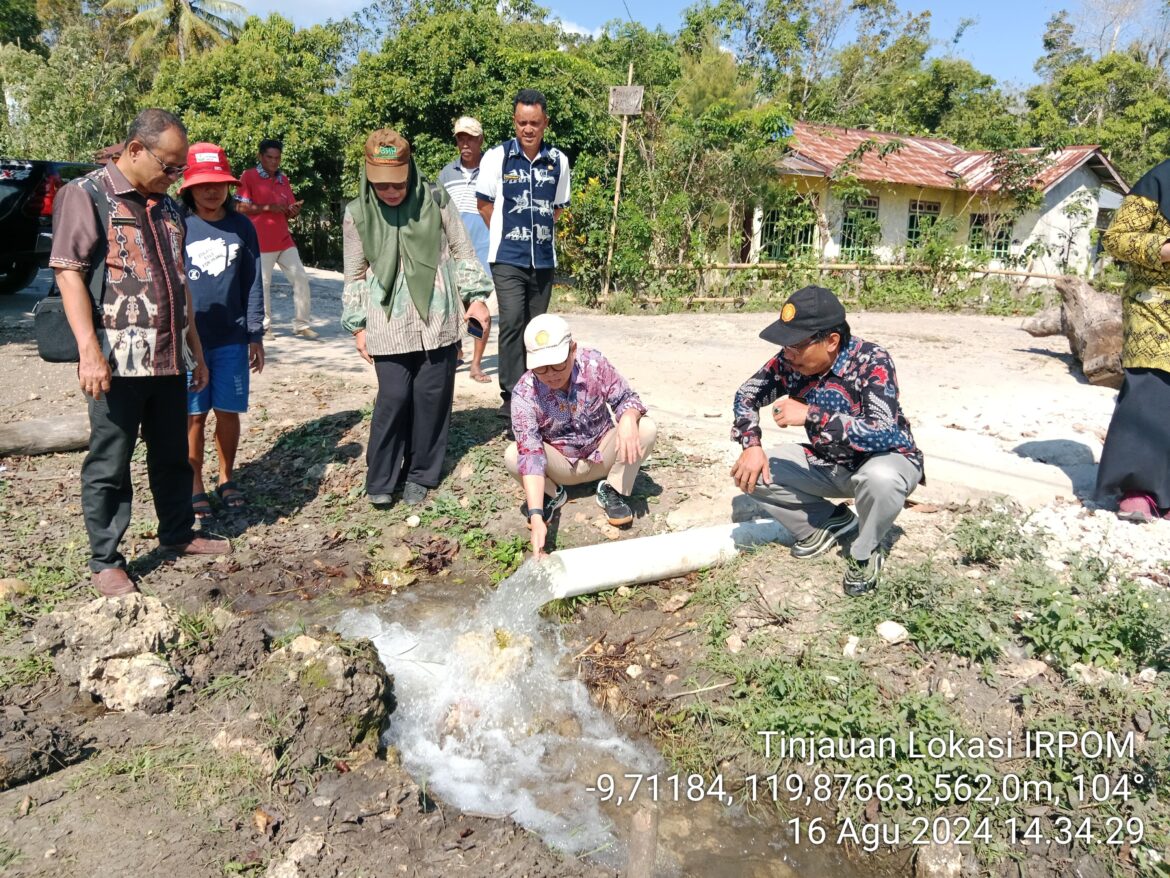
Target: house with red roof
873, 196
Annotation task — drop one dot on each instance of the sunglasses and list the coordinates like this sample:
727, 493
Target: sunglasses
169, 170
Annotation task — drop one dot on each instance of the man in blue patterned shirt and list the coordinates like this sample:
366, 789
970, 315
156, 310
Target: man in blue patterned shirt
843, 391
523, 187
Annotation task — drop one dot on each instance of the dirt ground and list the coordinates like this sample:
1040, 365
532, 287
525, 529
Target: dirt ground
995, 411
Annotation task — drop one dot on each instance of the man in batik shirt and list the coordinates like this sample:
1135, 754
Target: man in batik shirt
576, 420
844, 393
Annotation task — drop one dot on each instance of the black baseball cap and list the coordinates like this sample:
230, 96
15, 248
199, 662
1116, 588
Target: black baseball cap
806, 312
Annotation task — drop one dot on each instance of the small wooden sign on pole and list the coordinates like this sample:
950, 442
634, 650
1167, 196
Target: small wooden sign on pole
625, 101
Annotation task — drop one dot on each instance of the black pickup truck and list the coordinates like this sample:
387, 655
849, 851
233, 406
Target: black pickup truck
27, 190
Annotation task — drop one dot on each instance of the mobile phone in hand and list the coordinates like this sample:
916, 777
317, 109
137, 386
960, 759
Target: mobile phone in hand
474, 328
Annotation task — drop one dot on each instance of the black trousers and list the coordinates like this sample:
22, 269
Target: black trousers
522, 293
1136, 456
157, 406
412, 412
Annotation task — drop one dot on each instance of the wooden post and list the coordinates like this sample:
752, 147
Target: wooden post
617, 192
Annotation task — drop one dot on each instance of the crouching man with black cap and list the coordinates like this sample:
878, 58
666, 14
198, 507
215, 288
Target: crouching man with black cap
843, 391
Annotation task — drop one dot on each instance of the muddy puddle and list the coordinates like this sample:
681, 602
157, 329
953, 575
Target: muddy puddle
491, 719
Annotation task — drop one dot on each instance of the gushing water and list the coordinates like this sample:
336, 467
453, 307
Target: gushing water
488, 719
492, 720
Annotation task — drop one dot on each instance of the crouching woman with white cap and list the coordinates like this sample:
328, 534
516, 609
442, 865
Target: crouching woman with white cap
576, 420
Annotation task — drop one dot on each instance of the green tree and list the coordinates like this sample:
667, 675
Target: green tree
1060, 48
468, 58
65, 106
179, 27
1118, 102
769, 37
274, 81
19, 23
950, 98
870, 76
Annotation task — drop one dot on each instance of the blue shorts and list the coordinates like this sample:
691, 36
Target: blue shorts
227, 389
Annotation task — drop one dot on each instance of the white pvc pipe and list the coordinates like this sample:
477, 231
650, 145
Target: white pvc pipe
595, 568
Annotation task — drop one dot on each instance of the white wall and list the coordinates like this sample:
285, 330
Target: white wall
1048, 224
1051, 227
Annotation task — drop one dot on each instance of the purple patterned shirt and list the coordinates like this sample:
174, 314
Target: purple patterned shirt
853, 410
573, 421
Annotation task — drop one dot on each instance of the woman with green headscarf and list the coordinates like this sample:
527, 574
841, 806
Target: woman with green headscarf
409, 267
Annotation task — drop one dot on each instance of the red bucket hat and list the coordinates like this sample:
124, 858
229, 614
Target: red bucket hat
206, 163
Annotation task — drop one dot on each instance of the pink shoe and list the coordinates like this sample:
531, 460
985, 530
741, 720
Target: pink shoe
1138, 507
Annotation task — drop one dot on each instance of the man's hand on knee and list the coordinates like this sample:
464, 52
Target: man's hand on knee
752, 467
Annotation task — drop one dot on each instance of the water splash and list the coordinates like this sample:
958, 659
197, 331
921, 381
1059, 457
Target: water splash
491, 720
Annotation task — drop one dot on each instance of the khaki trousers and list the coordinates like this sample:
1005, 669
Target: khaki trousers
559, 471
294, 272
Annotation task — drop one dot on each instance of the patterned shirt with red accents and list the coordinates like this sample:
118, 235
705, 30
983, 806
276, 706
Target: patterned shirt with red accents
853, 409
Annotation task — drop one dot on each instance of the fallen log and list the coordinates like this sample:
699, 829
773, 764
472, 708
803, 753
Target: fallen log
1091, 321
45, 435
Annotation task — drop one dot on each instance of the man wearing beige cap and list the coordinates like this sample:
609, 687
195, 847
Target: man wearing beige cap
459, 179
564, 410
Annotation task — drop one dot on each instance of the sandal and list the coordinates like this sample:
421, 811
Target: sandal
201, 505
1138, 507
231, 496
480, 376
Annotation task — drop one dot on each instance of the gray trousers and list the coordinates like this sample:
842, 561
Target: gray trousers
796, 497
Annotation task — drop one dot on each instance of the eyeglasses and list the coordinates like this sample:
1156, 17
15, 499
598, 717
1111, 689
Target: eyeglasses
553, 369
803, 346
169, 170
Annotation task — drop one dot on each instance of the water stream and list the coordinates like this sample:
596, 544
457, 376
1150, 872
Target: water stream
492, 720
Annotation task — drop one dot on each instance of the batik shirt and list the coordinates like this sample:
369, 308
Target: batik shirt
525, 194
853, 410
573, 421
141, 317
1135, 237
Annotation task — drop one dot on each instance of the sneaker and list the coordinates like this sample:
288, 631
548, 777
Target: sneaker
551, 504
617, 510
861, 576
413, 494
1137, 507
307, 333
840, 523
382, 501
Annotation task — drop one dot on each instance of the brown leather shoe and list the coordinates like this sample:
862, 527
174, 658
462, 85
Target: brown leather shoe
201, 546
113, 582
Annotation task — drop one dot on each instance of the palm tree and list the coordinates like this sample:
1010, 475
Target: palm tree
182, 26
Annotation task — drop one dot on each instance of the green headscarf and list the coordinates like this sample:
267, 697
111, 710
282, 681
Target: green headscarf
409, 232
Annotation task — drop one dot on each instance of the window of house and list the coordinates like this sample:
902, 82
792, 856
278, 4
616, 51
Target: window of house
789, 231
923, 215
990, 232
859, 228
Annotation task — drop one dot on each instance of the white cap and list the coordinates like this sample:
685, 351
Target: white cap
547, 339
468, 125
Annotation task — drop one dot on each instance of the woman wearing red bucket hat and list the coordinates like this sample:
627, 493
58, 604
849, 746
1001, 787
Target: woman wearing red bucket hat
223, 272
